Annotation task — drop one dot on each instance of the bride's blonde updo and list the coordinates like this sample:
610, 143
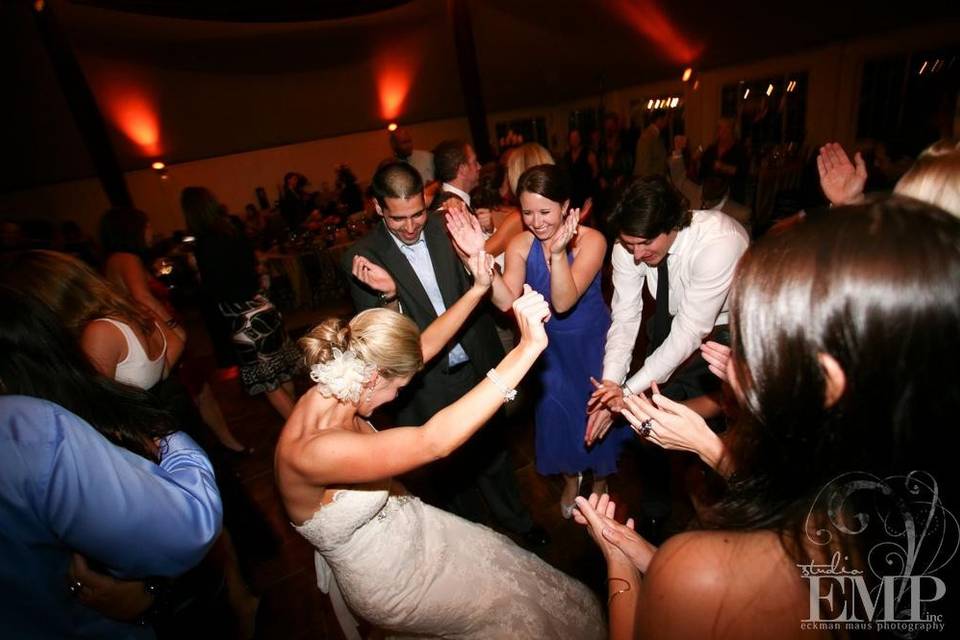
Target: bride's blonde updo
381, 338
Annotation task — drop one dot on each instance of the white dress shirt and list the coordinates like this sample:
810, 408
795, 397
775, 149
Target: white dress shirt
701, 263
422, 161
446, 186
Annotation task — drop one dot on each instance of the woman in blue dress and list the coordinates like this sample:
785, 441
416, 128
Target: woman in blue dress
556, 257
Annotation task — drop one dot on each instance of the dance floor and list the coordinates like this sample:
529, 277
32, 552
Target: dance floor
278, 563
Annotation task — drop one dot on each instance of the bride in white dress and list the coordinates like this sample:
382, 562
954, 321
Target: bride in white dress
404, 566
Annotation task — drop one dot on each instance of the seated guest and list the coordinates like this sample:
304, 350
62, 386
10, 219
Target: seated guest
294, 202
839, 450
91, 467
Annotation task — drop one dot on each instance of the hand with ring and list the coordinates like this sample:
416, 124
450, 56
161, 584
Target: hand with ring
672, 425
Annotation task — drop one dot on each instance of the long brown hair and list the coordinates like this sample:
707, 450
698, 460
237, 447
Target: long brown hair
72, 290
877, 288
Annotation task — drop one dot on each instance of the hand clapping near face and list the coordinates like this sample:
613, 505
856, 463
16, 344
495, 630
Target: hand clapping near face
464, 227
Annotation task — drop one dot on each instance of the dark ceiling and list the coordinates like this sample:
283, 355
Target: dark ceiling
221, 77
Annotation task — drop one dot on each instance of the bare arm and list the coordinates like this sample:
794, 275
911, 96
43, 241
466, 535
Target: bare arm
441, 331
104, 346
436, 336
129, 269
344, 457
568, 282
510, 227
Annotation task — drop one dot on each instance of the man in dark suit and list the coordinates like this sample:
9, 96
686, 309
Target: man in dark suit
456, 168
413, 247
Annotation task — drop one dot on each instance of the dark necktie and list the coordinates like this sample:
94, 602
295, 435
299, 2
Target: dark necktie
661, 315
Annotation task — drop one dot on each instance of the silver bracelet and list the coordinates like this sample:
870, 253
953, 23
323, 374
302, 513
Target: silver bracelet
508, 393
626, 390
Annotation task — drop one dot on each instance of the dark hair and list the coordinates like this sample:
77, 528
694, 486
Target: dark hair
648, 207
877, 287
447, 158
395, 179
122, 230
547, 180
71, 289
204, 213
41, 359
487, 194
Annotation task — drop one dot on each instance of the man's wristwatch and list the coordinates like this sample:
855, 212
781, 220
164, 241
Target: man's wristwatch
385, 299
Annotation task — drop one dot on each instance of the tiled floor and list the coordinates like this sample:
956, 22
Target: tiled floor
281, 571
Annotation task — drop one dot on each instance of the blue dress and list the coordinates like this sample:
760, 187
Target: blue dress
575, 353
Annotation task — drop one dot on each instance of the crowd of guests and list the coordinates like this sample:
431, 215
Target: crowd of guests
782, 363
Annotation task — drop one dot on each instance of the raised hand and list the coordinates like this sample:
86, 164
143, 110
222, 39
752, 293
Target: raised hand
374, 276
842, 181
597, 514
481, 268
717, 356
464, 227
532, 311
672, 425
563, 236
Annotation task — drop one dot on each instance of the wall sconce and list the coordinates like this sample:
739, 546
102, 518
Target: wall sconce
392, 127
160, 168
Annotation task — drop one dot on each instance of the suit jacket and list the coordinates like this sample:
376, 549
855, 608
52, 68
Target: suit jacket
651, 156
429, 391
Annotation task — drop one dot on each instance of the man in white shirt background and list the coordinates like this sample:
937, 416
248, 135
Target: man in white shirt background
456, 167
401, 142
687, 261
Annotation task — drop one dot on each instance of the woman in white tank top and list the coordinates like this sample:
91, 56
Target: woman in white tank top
136, 367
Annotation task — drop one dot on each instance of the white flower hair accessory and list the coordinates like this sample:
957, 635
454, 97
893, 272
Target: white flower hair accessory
343, 376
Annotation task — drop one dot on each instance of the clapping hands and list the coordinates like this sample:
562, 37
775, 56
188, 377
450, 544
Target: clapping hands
566, 232
618, 542
464, 227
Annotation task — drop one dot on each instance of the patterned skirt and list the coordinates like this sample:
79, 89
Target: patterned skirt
265, 354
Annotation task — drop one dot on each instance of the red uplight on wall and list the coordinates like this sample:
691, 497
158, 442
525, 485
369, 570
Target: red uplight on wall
650, 21
127, 100
393, 84
136, 118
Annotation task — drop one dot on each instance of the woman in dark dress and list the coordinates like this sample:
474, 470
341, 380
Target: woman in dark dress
581, 164
267, 358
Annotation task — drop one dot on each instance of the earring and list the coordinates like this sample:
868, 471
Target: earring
368, 396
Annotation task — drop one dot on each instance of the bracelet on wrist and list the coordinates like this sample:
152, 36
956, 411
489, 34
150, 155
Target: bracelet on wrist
626, 587
385, 299
509, 393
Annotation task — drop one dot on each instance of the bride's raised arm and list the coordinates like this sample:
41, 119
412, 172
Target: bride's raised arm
346, 457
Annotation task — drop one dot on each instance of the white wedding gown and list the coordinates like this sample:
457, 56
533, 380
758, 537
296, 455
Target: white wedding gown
414, 570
